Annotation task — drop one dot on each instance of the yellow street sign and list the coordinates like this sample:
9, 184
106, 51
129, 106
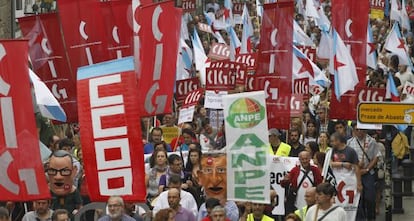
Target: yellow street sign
386, 113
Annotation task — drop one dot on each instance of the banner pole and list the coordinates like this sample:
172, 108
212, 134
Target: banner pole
147, 131
218, 120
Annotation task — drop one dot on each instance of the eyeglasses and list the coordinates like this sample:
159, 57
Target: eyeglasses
63, 172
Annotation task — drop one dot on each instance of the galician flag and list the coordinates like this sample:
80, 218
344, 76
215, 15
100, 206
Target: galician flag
371, 49
300, 37
303, 67
48, 105
200, 57
247, 31
395, 44
342, 66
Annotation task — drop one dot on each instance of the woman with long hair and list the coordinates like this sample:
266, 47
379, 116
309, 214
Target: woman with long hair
191, 169
312, 148
311, 133
158, 167
323, 142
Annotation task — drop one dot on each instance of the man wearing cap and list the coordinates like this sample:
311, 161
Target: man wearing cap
277, 147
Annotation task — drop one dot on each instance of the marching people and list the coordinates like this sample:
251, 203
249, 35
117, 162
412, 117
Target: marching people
277, 147
254, 211
297, 146
298, 181
60, 215
186, 200
42, 211
199, 191
310, 198
345, 157
324, 209
366, 148
116, 210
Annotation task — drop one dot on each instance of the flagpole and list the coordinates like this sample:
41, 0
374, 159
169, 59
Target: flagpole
324, 172
147, 130
218, 120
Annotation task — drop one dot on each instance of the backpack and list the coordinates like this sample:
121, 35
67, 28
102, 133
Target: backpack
400, 145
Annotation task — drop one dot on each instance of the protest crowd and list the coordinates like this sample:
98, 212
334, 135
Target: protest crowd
187, 162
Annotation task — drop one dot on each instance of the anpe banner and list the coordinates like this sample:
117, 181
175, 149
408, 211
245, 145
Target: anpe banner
111, 130
279, 167
84, 32
159, 34
347, 195
22, 177
278, 100
276, 37
247, 147
350, 20
50, 61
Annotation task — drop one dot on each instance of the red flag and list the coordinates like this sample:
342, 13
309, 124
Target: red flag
350, 20
111, 131
159, 34
84, 32
276, 36
22, 177
278, 99
275, 61
55, 70
117, 17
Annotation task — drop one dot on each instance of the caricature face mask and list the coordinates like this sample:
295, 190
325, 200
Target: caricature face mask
213, 176
60, 172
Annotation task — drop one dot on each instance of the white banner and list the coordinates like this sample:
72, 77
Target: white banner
347, 194
214, 100
279, 167
186, 114
247, 147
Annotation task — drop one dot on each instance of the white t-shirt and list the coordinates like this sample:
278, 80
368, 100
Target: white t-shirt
306, 184
338, 214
